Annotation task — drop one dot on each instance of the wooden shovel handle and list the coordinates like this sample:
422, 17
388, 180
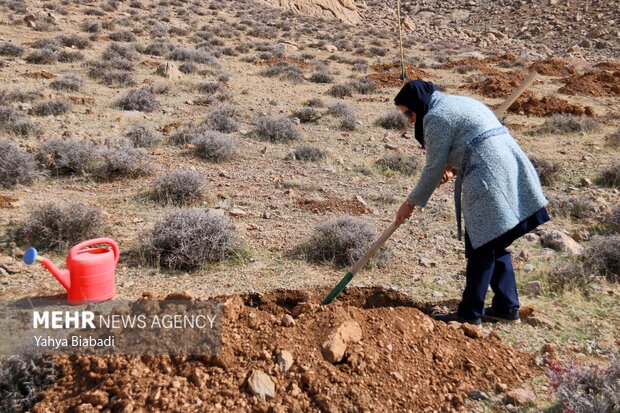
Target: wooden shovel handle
499, 112
374, 247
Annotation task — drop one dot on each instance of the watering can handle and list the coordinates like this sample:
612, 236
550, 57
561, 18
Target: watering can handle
76, 249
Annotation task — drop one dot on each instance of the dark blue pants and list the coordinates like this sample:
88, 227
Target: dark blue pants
491, 265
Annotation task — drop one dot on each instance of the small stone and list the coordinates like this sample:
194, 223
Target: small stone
501, 387
261, 384
471, 331
478, 395
397, 376
528, 267
169, 71
391, 146
533, 288
330, 48
361, 200
287, 320
285, 360
540, 321
585, 182
237, 212
531, 237
559, 241
520, 397
335, 346
96, 398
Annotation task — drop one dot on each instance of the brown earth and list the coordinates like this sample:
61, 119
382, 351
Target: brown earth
553, 67
388, 75
609, 65
603, 83
270, 62
8, 201
345, 206
405, 361
499, 85
547, 106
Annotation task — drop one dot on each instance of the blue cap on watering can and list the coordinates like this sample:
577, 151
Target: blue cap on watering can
30, 255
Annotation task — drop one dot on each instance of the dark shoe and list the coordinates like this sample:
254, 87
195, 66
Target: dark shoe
446, 318
492, 315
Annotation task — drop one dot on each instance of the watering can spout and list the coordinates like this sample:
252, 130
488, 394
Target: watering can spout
62, 276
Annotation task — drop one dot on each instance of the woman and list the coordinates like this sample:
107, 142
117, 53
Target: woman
497, 190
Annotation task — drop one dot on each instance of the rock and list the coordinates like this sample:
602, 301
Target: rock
285, 360
287, 320
397, 376
335, 346
533, 288
96, 398
331, 48
471, 331
10, 265
344, 10
169, 71
288, 46
537, 320
478, 395
531, 237
391, 146
528, 267
237, 212
585, 182
361, 200
30, 20
233, 307
559, 241
261, 385
519, 397
290, 156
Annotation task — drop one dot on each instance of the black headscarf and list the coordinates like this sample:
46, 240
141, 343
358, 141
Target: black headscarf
416, 96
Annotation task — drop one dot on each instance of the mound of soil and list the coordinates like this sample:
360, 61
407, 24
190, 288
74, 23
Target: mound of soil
553, 67
270, 62
386, 355
43, 74
500, 85
388, 75
609, 65
603, 83
8, 201
346, 206
547, 106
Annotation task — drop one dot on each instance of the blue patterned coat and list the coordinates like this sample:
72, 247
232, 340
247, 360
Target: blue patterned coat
500, 187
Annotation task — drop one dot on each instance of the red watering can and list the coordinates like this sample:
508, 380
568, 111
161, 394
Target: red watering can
90, 271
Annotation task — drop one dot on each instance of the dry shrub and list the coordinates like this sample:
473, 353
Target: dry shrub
562, 123
276, 130
138, 99
74, 41
180, 187
310, 153
397, 162
610, 176
123, 36
578, 207
315, 103
70, 82
59, 225
188, 239
603, 257
568, 276
613, 139
587, 389
16, 165
66, 56
342, 242
340, 91
339, 108
183, 54
614, 219
52, 107
124, 161
142, 136
111, 74
23, 379
13, 121
225, 119
214, 146
321, 77
284, 70
364, 86
393, 119
11, 49
42, 57
548, 171
307, 114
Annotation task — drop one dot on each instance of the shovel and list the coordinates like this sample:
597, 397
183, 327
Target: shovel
499, 112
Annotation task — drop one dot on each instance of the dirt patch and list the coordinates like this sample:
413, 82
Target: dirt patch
394, 358
43, 74
7, 202
345, 206
603, 83
270, 62
81, 100
500, 85
608, 65
388, 75
547, 106
553, 67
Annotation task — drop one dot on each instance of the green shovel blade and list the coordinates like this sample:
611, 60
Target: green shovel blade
338, 289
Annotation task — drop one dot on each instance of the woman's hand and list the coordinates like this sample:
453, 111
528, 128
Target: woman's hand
404, 212
448, 174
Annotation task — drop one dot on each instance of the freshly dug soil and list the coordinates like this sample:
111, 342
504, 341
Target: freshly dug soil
500, 85
603, 83
274, 60
388, 75
346, 206
7, 201
608, 65
547, 106
403, 361
553, 67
